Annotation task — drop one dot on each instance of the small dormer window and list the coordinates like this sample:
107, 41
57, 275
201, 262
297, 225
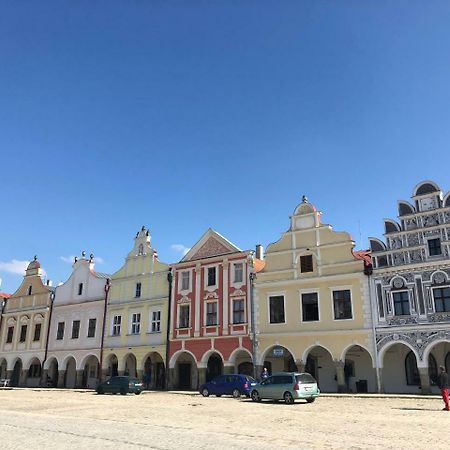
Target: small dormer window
306, 263
30, 289
80, 288
141, 249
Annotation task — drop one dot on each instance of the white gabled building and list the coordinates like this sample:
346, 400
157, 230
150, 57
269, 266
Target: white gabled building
76, 328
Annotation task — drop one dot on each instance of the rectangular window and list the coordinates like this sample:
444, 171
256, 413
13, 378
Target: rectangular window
23, 333
75, 329
185, 280
434, 247
342, 301
60, 332
401, 303
276, 307
117, 322
310, 307
10, 334
156, 321
91, 327
138, 289
136, 323
238, 272
211, 276
184, 316
238, 311
441, 299
37, 332
80, 288
306, 263
211, 313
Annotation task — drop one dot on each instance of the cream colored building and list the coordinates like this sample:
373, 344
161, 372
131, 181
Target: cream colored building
313, 306
24, 329
136, 317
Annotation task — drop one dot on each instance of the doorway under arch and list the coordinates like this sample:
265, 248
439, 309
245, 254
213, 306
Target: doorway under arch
319, 363
214, 367
17, 370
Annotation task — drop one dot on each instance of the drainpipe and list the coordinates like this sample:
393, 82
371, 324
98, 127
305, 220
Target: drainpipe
368, 271
252, 277
169, 279
100, 364
52, 298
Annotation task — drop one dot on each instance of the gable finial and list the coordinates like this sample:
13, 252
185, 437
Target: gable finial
305, 199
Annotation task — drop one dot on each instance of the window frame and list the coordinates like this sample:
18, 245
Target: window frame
60, 331
180, 308
309, 255
236, 270
135, 323
80, 288
401, 291
209, 270
434, 247
442, 288
155, 324
340, 289
73, 329
306, 292
269, 297
116, 325
23, 333
10, 334
37, 330
90, 328
211, 314
138, 290
240, 311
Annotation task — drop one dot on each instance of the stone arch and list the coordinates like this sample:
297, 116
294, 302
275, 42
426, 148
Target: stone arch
154, 370
51, 366
129, 364
242, 361
209, 353
214, 365
234, 354
359, 369
16, 372
278, 358
112, 365
90, 367
184, 370
426, 187
382, 351
3, 368
34, 372
439, 277
69, 365
320, 363
432, 345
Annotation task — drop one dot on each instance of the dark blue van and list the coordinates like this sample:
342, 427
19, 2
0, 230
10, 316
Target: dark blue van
235, 385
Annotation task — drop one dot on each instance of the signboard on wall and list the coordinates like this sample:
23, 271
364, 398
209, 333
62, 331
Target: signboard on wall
278, 352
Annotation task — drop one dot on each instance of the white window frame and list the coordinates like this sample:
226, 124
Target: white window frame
179, 315
241, 281
154, 322
135, 323
234, 299
432, 238
342, 288
310, 291
276, 294
205, 277
180, 282
116, 325
205, 313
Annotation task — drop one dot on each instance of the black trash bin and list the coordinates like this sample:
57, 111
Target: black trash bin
361, 386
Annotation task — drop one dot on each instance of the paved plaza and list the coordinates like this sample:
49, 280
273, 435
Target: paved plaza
55, 419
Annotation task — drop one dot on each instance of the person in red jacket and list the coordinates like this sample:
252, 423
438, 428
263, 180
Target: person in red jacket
443, 386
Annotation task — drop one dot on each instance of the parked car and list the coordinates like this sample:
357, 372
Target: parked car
235, 385
120, 385
287, 386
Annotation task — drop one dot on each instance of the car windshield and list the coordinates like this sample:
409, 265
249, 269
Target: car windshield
304, 378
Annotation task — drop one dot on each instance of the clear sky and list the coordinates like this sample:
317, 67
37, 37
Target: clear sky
184, 115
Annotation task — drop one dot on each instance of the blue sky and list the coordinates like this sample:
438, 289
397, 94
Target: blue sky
184, 115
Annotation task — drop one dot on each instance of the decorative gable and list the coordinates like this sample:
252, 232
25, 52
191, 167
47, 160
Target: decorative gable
211, 244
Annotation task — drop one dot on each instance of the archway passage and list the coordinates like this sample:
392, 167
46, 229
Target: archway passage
400, 373
17, 370
70, 376
52, 373
130, 368
34, 373
360, 375
214, 367
185, 372
3, 369
243, 362
320, 365
154, 372
440, 353
90, 372
113, 366
279, 359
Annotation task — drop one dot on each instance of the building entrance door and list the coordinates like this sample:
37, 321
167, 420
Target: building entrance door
184, 374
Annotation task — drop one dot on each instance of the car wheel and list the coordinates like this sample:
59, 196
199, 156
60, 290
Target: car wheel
218, 395
310, 400
100, 391
137, 392
123, 391
114, 393
205, 392
255, 396
236, 393
288, 399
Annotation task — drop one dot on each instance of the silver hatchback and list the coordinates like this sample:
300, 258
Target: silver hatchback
287, 386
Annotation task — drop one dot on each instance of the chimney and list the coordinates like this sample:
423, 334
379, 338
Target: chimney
259, 252
49, 283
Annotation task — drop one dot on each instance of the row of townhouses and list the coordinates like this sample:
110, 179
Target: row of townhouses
360, 321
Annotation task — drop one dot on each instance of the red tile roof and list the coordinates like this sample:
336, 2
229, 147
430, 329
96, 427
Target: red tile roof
4, 295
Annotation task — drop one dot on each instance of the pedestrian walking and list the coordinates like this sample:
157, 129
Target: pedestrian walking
443, 386
264, 373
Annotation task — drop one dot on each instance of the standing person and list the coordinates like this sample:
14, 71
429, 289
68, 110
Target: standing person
443, 386
264, 373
